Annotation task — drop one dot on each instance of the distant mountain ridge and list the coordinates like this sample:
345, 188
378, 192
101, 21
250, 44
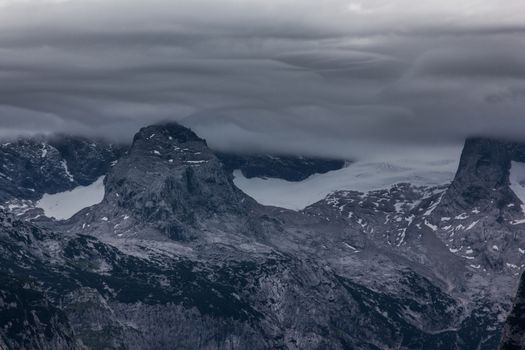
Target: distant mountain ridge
33, 166
290, 168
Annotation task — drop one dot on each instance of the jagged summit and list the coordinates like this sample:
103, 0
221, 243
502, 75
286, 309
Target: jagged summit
171, 179
483, 172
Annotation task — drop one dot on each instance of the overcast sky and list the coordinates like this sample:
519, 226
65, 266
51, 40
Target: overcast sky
309, 76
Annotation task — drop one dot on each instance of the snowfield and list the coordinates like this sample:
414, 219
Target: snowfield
64, 205
362, 176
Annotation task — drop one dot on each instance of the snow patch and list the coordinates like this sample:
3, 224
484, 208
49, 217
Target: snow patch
434, 205
471, 226
432, 227
64, 205
351, 247
66, 170
461, 216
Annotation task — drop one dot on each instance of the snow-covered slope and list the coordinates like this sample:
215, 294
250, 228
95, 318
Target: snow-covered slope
361, 176
64, 205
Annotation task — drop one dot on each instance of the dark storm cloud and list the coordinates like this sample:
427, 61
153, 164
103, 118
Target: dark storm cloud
499, 60
292, 75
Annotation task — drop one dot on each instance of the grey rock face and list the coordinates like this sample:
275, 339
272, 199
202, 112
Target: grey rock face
387, 215
234, 300
514, 333
29, 318
87, 159
171, 181
479, 216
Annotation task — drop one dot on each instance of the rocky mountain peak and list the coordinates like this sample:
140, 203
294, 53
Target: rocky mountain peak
483, 174
171, 179
481, 217
169, 131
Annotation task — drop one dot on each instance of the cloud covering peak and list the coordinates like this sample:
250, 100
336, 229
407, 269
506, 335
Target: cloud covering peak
307, 76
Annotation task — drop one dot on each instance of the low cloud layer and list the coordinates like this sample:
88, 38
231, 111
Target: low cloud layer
328, 77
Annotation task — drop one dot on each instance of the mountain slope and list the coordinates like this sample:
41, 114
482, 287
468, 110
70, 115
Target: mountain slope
176, 256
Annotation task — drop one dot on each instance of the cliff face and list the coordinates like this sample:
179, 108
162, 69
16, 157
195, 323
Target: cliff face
482, 179
514, 332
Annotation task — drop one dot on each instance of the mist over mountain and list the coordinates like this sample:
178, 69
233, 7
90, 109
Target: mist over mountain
343, 79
